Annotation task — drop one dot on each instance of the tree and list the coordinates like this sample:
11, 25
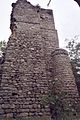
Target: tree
73, 48
3, 45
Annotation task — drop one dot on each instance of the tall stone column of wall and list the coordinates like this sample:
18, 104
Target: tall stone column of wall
26, 69
62, 72
49, 37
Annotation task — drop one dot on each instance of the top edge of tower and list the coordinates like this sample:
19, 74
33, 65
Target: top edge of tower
49, 11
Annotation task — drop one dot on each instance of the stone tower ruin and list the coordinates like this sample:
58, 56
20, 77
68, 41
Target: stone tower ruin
32, 60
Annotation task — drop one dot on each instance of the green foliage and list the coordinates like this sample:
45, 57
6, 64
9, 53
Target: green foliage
73, 47
60, 108
3, 45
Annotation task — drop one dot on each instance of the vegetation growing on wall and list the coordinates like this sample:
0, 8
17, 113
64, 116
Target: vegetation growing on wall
60, 108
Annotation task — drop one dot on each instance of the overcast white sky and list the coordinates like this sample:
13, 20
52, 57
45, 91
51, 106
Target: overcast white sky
66, 15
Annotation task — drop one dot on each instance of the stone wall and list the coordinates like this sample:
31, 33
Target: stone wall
26, 75
28, 66
63, 73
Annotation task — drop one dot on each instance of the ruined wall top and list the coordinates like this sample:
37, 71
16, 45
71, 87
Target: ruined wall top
24, 11
49, 11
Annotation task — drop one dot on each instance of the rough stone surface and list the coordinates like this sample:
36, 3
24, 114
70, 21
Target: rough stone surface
63, 72
28, 67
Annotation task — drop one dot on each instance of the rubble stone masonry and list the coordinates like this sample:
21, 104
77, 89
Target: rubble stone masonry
28, 66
